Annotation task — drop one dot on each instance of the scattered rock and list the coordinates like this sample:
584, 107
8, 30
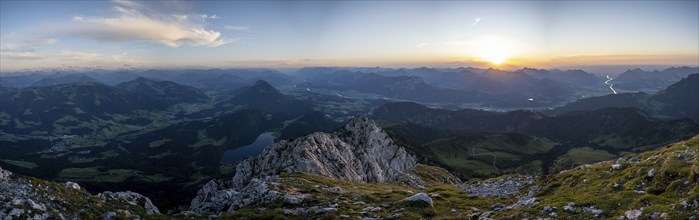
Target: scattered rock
497, 188
651, 173
15, 212
73, 185
110, 215
214, 198
399, 210
295, 199
296, 211
526, 200
616, 166
497, 207
457, 213
358, 203
394, 216
547, 209
336, 189
633, 214
371, 209
132, 198
35, 206
326, 210
419, 197
593, 210
569, 207
4, 174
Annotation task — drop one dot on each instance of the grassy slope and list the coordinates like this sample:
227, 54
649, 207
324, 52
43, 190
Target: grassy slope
386, 196
675, 180
73, 202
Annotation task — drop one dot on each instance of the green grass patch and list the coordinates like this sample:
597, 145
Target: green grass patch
25, 164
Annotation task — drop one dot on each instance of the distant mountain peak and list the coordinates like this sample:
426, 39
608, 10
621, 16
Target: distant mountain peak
262, 86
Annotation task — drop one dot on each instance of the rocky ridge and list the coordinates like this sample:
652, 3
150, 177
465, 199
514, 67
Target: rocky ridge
358, 152
29, 198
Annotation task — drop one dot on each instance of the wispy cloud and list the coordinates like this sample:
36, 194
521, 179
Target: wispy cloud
476, 21
16, 43
136, 22
69, 55
421, 45
236, 28
18, 56
73, 58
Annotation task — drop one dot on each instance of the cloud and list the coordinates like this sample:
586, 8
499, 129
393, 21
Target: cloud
69, 55
11, 55
135, 22
16, 43
421, 45
236, 28
66, 58
476, 21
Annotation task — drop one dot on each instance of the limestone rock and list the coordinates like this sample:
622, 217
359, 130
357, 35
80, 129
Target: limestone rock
295, 199
133, 199
419, 197
359, 152
633, 214
616, 166
215, 198
4, 174
73, 185
500, 187
212, 197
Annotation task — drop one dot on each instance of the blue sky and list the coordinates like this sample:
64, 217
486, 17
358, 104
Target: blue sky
48, 34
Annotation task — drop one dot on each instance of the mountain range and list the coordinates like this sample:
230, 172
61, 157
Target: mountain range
475, 141
679, 100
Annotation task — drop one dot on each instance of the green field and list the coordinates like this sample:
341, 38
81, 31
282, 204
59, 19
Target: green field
476, 153
25, 164
96, 174
579, 156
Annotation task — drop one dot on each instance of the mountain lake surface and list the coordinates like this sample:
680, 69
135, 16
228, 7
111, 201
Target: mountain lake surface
254, 149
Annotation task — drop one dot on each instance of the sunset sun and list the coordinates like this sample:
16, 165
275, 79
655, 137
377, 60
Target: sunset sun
495, 56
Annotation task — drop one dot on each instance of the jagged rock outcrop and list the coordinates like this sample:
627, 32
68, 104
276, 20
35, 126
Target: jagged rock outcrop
214, 197
4, 174
359, 152
132, 198
29, 198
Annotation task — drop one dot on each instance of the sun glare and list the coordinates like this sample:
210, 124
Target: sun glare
494, 49
495, 57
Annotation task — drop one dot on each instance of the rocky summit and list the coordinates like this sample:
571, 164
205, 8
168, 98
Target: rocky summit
358, 152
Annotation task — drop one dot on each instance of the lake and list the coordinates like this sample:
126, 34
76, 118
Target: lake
235, 155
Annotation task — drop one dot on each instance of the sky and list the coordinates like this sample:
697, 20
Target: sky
287, 34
